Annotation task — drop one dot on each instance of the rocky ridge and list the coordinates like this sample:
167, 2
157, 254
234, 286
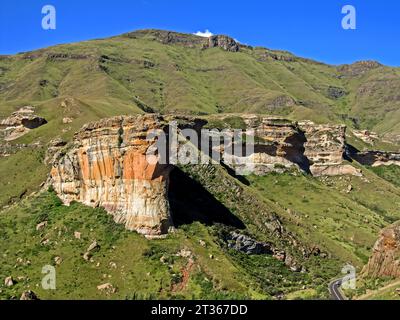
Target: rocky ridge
377, 158
385, 259
191, 41
283, 145
106, 164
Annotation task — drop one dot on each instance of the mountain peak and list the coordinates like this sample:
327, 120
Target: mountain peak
359, 67
185, 39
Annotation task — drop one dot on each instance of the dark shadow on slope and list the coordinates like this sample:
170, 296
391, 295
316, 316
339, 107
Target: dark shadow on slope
233, 174
296, 154
351, 152
191, 202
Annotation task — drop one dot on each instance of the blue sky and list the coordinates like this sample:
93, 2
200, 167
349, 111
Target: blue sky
309, 28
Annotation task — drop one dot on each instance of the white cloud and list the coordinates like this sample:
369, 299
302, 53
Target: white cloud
205, 34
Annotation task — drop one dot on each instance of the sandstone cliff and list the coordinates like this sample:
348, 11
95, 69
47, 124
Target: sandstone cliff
279, 145
107, 166
283, 145
325, 148
385, 259
20, 123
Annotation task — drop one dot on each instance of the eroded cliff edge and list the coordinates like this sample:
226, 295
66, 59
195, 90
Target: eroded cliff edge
106, 166
385, 259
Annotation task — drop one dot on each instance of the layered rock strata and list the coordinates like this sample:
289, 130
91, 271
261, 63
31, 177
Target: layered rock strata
282, 145
385, 259
107, 166
186, 40
377, 158
366, 136
19, 123
325, 148
278, 145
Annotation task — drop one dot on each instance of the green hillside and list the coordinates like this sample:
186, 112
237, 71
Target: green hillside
163, 71
159, 71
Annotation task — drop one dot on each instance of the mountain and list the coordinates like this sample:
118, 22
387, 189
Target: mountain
323, 191
166, 71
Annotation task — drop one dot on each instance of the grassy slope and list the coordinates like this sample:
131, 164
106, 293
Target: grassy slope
141, 71
322, 212
134, 74
139, 272
389, 173
388, 291
144, 269
374, 99
125, 75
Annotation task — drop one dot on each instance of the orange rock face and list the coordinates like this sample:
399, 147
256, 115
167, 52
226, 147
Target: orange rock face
107, 167
385, 259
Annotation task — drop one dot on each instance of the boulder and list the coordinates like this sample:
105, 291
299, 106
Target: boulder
245, 244
8, 282
29, 295
107, 288
58, 260
41, 225
93, 246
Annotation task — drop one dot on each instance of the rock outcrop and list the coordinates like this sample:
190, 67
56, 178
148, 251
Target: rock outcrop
366, 136
279, 145
377, 158
325, 149
107, 167
53, 148
224, 42
385, 259
283, 145
107, 164
246, 244
28, 295
7, 149
187, 40
358, 68
20, 123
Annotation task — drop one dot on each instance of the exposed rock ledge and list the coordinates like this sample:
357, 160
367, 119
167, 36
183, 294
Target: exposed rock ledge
107, 167
106, 164
19, 123
283, 145
377, 158
385, 260
187, 40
